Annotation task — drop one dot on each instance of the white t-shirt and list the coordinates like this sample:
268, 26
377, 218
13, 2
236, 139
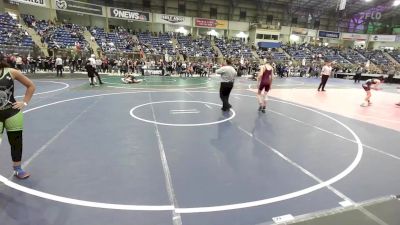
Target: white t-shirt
59, 62
92, 62
326, 70
99, 62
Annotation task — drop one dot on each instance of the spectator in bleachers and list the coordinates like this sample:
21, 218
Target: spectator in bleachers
18, 62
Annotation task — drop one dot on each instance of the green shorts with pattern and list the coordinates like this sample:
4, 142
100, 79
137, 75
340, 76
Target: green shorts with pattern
11, 120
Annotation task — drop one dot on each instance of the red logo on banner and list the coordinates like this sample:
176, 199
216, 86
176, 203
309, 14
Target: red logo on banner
206, 23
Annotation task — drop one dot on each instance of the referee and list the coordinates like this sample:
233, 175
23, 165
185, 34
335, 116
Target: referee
59, 66
228, 74
325, 73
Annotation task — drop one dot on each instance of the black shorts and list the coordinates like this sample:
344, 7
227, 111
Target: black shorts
366, 87
7, 113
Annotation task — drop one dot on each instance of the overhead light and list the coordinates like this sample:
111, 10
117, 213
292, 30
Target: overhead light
181, 30
368, 0
294, 38
241, 35
213, 33
396, 3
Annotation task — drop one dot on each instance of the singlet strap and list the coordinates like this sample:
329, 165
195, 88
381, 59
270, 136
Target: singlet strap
4, 71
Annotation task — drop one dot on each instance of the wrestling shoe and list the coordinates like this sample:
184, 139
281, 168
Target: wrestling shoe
20, 173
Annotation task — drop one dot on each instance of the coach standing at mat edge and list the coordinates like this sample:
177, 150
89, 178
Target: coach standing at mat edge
228, 74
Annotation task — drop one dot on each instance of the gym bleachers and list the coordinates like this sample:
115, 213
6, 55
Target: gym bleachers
58, 36
12, 37
377, 57
233, 48
156, 44
118, 40
200, 47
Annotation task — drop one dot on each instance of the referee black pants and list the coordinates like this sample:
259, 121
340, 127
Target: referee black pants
59, 69
357, 78
224, 92
324, 79
98, 77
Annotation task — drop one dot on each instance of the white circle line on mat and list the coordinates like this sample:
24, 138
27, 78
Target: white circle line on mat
47, 92
131, 112
243, 205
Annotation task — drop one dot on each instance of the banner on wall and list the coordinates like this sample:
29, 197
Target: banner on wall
398, 38
299, 31
41, 3
239, 26
210, 23
312, 33
383, 38
170, 19
355, 37
79, 7
285, 30
127, 14
328, 34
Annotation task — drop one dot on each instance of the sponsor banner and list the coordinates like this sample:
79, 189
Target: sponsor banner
127, 14
285, 30
398, 38
356, 37
79, 7
171, 19
328, 34
210, 23
312, 33
383, 38
240, 26
299, 31
41, 3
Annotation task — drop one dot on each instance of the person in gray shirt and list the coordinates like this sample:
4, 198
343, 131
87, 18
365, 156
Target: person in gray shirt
228, 74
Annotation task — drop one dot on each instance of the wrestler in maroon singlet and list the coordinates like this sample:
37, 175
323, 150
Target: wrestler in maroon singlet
265, 79
265, 83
